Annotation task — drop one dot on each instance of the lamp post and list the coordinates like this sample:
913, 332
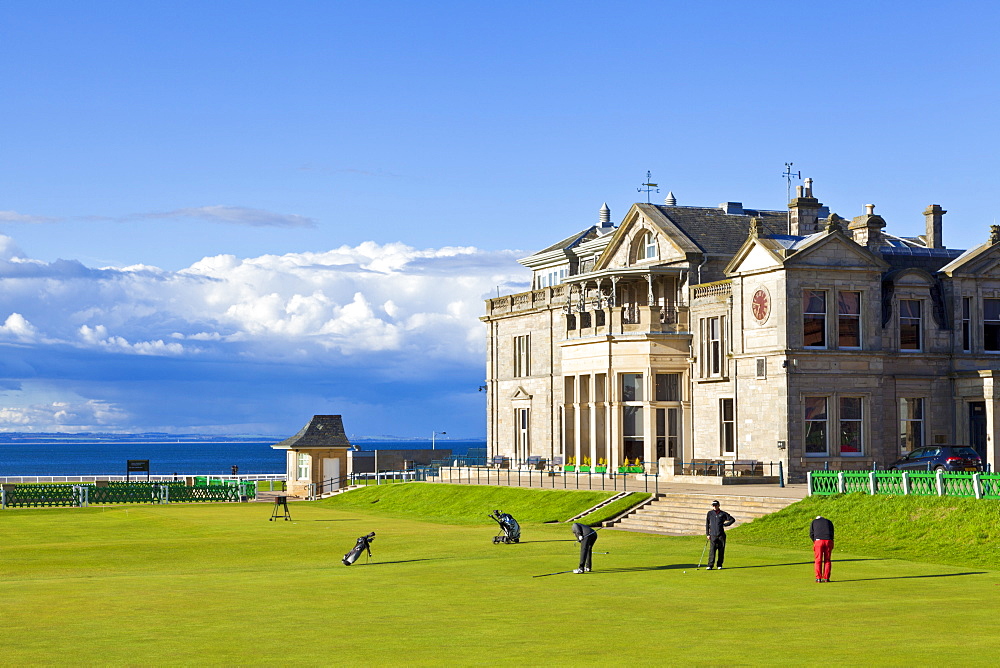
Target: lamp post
435, 433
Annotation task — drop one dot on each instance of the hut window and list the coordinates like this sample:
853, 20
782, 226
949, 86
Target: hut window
303, 466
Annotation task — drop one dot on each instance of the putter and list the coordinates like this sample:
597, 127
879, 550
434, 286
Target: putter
702, 554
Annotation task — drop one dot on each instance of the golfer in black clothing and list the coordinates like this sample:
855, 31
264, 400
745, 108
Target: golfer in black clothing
586, 537
715, 528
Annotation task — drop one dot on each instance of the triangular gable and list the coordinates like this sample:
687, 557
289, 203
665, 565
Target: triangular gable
676, 243
834, 249
754, 254
979, 261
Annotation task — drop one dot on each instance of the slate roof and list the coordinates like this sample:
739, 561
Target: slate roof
323, 431
716, 231
569, 242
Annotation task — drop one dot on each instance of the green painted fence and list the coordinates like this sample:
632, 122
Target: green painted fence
918, 483
42, 495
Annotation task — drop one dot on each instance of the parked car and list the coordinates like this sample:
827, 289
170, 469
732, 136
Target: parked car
940, 458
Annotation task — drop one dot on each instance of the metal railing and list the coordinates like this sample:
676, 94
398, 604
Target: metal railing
317, 490
550, 479
30, 495
916, 483
38, 479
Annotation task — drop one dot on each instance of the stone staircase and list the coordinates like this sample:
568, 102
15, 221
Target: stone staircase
683, 514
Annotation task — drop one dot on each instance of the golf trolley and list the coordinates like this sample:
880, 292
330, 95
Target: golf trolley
510, 530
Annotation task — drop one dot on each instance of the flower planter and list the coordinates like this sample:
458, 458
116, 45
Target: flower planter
569, 468
600, 469
584, 469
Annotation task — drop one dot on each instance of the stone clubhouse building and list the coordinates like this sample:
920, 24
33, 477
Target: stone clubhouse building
732, 334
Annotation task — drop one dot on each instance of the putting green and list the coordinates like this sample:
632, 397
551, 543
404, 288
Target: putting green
195, 584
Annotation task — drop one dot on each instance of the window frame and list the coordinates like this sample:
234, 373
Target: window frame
844, 317
727, 427
906, 421
302, 465
522, 355
818, 316
966, 324
807, 422
919, 320
994, 323
859, 422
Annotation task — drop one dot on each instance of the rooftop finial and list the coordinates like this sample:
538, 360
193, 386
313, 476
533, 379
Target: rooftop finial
605, 214
670, 200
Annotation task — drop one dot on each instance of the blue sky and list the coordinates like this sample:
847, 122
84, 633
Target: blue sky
229, 216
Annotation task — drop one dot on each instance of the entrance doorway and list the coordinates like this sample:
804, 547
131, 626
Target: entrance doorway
977, 427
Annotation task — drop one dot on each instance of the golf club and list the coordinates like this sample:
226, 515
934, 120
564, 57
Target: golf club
702, 554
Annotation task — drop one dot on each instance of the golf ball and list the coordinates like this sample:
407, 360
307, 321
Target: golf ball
685, 572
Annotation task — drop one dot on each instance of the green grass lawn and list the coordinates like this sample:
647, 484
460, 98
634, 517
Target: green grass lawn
220, 584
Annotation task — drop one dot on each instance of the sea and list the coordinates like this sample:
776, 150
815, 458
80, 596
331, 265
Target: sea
59, 456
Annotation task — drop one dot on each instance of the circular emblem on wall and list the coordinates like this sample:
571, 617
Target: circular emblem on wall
760, 305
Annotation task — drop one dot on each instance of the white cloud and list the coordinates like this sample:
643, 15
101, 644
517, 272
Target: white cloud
83, 415
348, 302
17, 328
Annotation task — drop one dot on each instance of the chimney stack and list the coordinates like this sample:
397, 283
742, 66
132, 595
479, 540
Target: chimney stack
805, 211
933, 215
866, 230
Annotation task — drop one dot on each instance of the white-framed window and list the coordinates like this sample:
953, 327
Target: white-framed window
632, 387
668, 432
911, 423
649, 246
522, 423
966, 324
815, 419
522, 356
302, 465
727, 427
848, 319
852, 433
991, 325
814, 318
713, 347
910, 325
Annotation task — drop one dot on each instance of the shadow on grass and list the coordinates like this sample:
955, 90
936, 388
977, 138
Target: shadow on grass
911, 577
401, 561
554, 540
799, 563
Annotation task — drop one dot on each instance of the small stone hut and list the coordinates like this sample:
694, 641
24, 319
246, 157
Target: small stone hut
316, 455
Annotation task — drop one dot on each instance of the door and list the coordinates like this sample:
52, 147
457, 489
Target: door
331, 474
977, 427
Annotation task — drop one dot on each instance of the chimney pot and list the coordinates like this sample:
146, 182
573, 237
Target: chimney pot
809, 187
870, 209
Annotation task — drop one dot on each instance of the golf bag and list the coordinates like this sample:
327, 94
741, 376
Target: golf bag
364, 543
510, 530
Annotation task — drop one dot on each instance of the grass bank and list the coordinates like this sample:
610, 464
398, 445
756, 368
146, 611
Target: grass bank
468, 504
940, 530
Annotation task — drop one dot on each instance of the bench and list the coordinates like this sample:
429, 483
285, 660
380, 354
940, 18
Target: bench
703, 467
535, 463
499, 462
747, 467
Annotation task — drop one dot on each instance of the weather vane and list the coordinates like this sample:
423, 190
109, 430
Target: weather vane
648, 187
789, 175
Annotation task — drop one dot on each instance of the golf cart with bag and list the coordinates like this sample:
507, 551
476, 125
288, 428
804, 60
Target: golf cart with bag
364, 543
510, 530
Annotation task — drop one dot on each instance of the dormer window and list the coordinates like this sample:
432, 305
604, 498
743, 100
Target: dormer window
649, 245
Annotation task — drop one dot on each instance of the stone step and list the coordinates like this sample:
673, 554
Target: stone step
684, 514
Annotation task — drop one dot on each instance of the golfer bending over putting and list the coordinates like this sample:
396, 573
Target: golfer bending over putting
586, 536
821, 534
715, 528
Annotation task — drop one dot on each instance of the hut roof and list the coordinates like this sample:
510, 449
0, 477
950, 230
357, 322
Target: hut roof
323, 431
